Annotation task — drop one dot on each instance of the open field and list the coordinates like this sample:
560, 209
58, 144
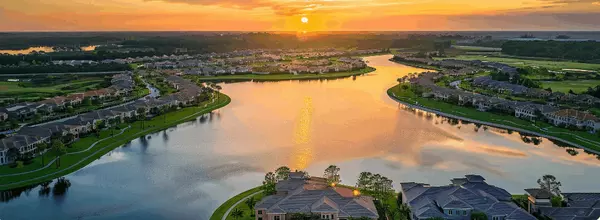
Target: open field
519, 62
582, 138
577, 86
33, 92
278, 77
83, 152
477, 49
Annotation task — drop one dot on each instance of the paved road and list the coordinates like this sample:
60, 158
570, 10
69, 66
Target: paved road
237, 203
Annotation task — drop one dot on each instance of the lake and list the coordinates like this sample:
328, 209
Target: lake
187, 171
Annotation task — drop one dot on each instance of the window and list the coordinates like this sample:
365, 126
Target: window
449, 212
331, 216
259, 218
260, 212
276, 217
465, 212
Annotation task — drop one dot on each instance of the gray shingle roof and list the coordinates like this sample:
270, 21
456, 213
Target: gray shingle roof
471, 193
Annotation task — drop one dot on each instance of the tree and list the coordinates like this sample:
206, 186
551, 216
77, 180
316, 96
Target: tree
365, 180
269, 183
556, 201
404, 211
60, 149
61, 186
87, 101
282, 173
237, 214
478, 216
548, 182
332, 174
41, 147
12, 154
250, 202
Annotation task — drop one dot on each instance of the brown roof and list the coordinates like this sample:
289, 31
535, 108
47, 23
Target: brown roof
576, 114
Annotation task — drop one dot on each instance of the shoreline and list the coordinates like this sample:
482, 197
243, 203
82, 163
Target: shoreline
392, 96
117, 141
284, 77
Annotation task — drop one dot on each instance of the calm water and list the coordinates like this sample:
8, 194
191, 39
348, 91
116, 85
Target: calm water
187, 171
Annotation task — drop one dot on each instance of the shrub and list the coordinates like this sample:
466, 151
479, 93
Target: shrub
478, 216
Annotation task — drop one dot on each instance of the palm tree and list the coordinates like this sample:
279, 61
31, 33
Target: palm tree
250, 202
236, 213
59, 147
41, 148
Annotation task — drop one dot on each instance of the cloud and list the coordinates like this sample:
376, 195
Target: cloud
297, 7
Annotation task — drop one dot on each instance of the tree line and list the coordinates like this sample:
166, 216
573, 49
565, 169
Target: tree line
584, 51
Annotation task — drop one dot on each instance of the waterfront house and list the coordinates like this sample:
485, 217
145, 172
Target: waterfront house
312, 195
22, 143
537, 198
534, 111
460, 199
579, 206
575, 118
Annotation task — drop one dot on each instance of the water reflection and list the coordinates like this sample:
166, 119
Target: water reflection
187, 171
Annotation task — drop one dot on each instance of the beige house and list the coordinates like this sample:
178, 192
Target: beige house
313, 196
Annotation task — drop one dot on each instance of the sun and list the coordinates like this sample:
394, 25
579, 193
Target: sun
304, 20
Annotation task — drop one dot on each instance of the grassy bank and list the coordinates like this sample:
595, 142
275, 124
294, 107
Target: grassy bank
80, 157
219, 212
279, 77
578, 137
522, 62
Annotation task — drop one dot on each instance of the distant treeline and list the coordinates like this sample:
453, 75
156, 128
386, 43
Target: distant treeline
587, 51
64, 68
77, 55
166, 43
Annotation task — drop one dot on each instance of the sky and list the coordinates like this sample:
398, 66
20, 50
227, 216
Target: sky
286, 15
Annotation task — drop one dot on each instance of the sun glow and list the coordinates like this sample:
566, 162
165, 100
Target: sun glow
304, 20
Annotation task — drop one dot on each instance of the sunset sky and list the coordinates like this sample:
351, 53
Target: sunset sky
285, 15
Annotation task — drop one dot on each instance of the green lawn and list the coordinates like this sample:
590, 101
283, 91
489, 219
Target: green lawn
32, 92
477, 49
577, 86
519, 62
408, 96
219, 212
277, 77
244, 208
103, 147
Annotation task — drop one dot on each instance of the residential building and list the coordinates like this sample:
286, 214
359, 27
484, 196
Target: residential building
313, 195
460, 199
574, 118
3, 115
578, 206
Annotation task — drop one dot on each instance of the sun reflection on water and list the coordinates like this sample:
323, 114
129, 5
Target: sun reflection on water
303, 152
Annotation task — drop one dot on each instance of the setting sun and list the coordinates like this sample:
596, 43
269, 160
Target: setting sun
304, 20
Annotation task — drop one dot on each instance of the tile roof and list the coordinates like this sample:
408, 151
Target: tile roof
471, 192
539, 193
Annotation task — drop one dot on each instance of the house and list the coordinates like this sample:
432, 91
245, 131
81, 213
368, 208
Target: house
313, 195
22, 143
78, 125
460, 199
124, 111
538, 198
585, 99
534, 111
579, 206
3, 115
574, 118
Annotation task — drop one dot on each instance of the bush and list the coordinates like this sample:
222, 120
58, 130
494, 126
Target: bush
19, 164
478, 216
